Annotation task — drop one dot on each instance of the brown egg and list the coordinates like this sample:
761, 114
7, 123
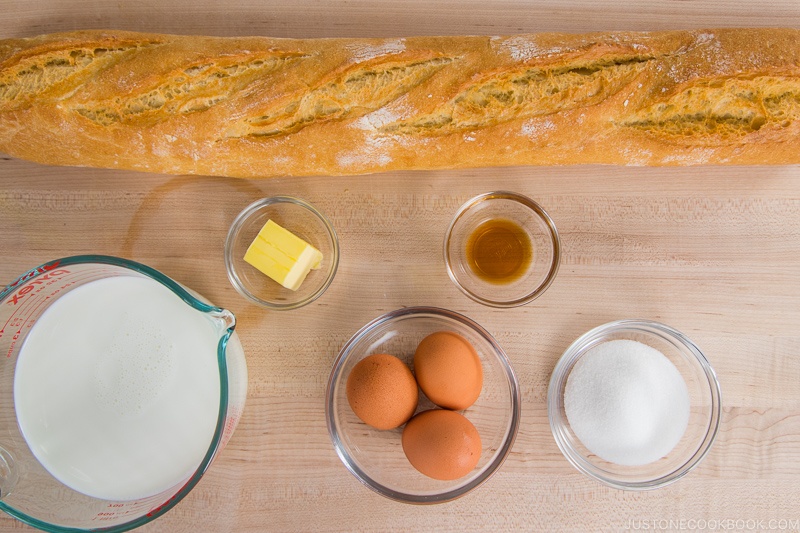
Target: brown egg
382, 391
448, 370
442, 444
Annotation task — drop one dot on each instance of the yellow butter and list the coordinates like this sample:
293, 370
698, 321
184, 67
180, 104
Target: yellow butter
282, 255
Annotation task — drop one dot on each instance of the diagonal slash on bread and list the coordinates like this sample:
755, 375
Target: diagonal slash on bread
261, 107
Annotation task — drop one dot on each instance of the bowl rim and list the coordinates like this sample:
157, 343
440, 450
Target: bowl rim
235, 227
555, 241
490, 468
558, 382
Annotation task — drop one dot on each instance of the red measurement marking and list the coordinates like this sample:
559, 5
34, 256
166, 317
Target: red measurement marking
166, 503
230, 426
30, 305
33, 273
11, 349
35, 311
34, 287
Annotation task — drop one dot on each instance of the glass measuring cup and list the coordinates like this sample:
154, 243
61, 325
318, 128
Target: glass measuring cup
28, 490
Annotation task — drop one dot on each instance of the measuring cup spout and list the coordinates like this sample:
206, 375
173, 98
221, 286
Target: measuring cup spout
226, 319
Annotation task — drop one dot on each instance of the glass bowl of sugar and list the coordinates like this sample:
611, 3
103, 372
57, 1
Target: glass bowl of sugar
634, 404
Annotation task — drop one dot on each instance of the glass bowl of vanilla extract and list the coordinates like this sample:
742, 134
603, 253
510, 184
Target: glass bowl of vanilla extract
502, 249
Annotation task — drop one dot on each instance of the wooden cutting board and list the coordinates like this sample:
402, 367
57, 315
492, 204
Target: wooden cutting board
711, 251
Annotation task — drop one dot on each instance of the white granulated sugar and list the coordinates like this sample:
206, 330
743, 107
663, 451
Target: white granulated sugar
365, 51
171, 138
627, 403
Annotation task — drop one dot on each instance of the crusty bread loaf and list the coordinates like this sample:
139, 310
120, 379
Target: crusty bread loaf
259, 107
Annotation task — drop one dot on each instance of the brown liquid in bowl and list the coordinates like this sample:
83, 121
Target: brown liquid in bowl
499, 251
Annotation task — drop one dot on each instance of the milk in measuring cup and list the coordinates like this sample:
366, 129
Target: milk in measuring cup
117, 388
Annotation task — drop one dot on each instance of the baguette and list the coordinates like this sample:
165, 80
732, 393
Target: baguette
260, 107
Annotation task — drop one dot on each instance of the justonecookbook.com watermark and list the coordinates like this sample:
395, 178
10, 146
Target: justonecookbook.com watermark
724, 524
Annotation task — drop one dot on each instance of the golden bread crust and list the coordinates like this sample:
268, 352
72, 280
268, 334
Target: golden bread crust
260, 107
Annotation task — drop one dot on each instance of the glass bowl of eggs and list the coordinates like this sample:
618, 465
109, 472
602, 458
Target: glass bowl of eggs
422, 405
634, 404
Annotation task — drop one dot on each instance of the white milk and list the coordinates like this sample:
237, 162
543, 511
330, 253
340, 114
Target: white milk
117, 388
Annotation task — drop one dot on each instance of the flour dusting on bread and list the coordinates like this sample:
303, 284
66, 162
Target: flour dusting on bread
361, 52
258, 107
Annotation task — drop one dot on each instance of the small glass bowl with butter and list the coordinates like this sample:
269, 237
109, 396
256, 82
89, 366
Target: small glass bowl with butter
615, 386
502, 249
274, 243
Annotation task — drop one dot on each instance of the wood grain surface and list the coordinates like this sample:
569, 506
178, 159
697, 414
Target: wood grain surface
711, 251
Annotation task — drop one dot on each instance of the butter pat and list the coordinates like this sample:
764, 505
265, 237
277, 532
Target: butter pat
283, 256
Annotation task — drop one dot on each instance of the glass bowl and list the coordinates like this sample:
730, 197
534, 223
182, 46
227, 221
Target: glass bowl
376, 456
522, 212
300, 218
704, 406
